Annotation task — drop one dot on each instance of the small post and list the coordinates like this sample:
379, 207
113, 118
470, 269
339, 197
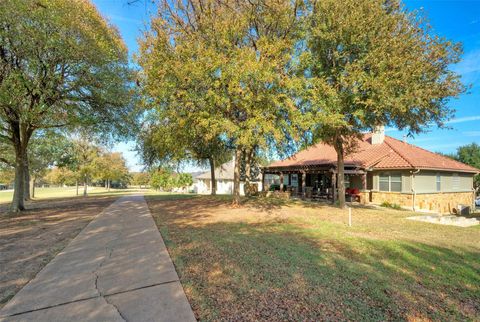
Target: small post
349, 217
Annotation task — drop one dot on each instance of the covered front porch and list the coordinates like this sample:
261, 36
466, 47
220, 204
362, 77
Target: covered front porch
316, 182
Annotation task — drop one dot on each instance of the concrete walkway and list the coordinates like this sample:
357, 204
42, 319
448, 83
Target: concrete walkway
116, 269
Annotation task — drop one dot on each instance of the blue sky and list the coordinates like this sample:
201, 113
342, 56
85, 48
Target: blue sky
458, 20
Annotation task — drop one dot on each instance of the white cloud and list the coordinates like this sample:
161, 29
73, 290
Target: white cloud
452, 121
441, 147
463, 119
469, 67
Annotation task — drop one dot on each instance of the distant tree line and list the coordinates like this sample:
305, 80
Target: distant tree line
57, 160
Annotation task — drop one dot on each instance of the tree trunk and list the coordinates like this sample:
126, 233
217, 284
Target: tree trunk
248, 171
26, 174
236, 177
85, 186
19, 185
109, 183
33, 187
212, 176
264, 188
21, 135
341, 173
76, 185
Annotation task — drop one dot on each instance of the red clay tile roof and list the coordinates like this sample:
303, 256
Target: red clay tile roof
391, 154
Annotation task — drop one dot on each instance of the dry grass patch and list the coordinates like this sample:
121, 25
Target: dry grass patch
281, 260
32, 239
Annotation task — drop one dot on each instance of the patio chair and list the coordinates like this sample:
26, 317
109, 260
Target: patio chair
352, 194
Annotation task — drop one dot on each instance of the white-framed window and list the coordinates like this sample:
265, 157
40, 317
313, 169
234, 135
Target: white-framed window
384, 182
396, 182
455, 181
390, 182
438, 182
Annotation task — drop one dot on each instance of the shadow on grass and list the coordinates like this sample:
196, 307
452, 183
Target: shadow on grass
64, 203
279, 271
270, 204
170, 196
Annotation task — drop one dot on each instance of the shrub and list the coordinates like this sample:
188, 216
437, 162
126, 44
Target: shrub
387, 204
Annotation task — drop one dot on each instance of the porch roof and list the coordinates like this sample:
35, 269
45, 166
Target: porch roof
311, 169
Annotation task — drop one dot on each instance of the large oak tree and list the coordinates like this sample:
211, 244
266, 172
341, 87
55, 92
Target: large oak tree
222, 68
61, 65
370, 63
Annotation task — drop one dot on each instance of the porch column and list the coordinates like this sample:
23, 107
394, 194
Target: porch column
364, 181
281, 181
334, 187
364, 194
304, 183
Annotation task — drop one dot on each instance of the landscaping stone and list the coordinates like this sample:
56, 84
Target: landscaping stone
447, 220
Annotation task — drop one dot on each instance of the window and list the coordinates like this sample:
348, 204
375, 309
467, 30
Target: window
390, 182
439, 182
384, 182
396, 182
455, 181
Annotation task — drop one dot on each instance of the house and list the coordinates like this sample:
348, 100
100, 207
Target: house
381, 169
223, 178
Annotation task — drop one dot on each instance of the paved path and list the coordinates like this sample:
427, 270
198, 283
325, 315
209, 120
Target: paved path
116, 269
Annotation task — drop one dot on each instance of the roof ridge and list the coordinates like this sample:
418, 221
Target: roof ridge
377, 161
428, 151
398, 152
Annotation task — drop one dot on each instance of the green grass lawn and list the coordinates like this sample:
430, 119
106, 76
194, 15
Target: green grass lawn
279, 260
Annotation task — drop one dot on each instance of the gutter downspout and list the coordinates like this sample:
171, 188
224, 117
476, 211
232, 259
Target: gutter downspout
412, 176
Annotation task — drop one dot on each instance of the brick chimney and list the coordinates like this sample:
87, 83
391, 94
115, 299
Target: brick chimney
378, 135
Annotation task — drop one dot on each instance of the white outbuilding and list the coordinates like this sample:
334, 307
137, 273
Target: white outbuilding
224, 179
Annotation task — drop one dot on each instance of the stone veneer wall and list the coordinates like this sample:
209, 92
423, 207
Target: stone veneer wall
442, 202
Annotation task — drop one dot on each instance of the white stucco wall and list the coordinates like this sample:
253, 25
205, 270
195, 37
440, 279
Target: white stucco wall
224, 187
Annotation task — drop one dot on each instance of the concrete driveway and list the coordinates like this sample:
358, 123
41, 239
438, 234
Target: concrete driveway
116, 269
